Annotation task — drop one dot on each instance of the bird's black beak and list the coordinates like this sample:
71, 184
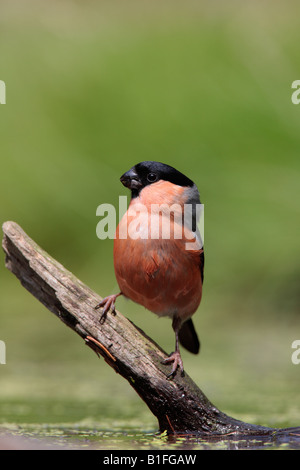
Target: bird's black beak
131, 180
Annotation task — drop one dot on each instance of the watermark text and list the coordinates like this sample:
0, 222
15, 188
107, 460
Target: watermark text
2, 352
296, 94
2, 92
157, 221
296, 353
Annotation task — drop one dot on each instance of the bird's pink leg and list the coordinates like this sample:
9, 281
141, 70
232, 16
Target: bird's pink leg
107, 303
175, 357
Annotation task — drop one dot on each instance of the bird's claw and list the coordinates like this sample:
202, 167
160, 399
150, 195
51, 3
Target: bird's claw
107, 303
175, 357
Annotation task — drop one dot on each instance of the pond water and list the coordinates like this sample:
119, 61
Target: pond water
125, 423
121, 436
66, 397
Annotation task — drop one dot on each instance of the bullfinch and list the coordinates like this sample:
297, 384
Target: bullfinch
158, 252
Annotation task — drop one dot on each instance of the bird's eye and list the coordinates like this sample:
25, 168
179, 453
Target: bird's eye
151, 177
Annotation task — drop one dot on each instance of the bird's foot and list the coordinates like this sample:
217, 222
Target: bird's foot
175, 357
106, 304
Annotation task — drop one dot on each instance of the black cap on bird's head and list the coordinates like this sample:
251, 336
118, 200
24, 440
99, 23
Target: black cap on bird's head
150, 172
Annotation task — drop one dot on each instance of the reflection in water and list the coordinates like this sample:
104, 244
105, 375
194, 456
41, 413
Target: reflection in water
288, 438
70, 437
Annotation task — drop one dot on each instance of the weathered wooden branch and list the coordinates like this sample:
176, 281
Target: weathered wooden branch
179, 405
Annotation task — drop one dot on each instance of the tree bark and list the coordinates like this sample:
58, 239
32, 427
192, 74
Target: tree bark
178, 404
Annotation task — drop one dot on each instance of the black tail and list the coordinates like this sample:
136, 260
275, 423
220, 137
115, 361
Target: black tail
188, 337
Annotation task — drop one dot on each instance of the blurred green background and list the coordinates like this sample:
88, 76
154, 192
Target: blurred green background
92, 89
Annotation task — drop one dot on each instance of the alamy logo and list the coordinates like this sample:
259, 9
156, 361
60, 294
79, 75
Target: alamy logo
296, 354
2, 352
2, 92
157, 221
296, 94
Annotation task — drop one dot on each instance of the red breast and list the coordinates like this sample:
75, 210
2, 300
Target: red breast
160, 274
